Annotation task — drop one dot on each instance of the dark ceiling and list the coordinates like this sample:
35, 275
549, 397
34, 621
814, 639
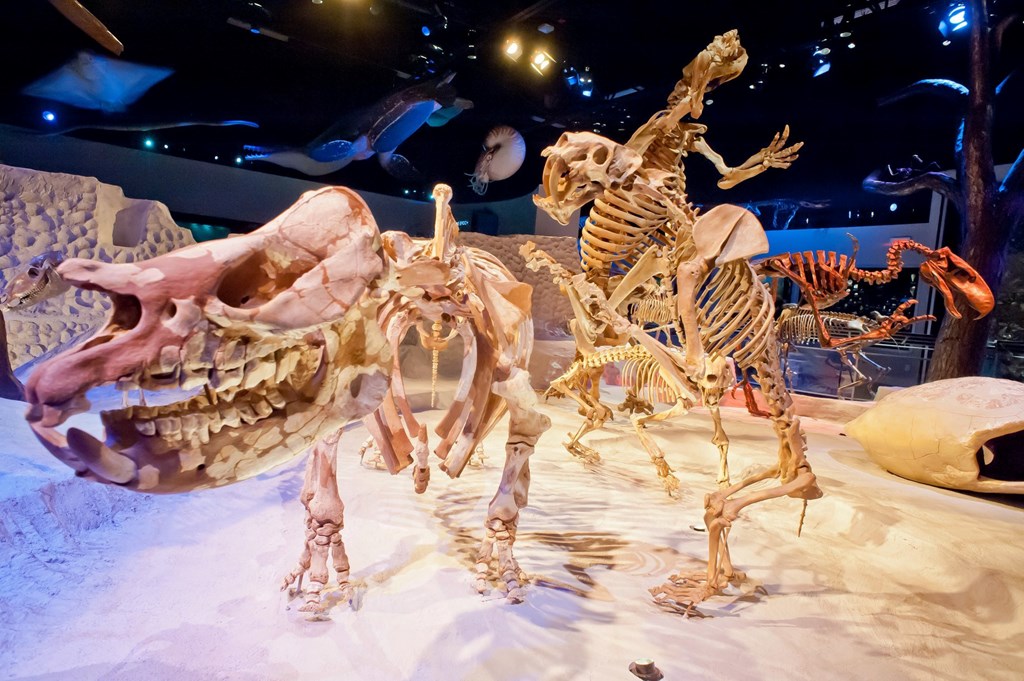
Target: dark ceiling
341, 56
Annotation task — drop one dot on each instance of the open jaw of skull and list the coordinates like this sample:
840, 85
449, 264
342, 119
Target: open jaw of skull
579, 167
262, 342
951, 274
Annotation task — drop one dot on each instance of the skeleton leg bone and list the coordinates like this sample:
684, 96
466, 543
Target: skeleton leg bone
526, 425
324, 521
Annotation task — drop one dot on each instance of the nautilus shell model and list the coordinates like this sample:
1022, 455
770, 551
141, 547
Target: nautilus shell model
504, 152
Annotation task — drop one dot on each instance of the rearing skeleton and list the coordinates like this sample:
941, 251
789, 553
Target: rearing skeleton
641, 228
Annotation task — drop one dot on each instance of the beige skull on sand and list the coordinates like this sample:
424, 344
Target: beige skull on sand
961, 433
268, 340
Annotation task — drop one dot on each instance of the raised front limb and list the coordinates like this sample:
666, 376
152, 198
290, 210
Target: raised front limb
775, 155
887, 327
325, 518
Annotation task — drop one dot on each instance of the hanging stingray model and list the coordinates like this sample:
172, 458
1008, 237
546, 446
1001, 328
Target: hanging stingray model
387, 124
504, 153
92, 81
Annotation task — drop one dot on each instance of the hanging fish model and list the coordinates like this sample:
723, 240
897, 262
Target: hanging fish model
390, 122
504, 153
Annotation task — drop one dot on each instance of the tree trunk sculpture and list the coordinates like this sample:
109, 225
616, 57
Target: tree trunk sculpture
988, 210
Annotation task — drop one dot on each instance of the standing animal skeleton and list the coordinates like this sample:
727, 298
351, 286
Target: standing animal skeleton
799, 327
275, 336
643, 225
824, 279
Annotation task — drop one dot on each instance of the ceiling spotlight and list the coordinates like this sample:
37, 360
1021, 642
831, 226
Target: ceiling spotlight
782, 66
49, 116
587, 83
238, 160
709, 101
845, 34
513, 49
318, 2
947, 42
852, 45
571, 76
545, 28
823, 67
148, 143
541, 61
424, 29
955, 19
893, 207
822, 51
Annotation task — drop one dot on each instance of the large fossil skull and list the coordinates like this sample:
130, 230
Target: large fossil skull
718, 63
951, 274
579, 167
265, 341
961, 433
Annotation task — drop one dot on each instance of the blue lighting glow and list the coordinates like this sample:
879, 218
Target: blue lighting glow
238, 160
955, 19
893, 207
148, 143
823, 68
255, 30
958, 17
586, 93
49, 116
425, 30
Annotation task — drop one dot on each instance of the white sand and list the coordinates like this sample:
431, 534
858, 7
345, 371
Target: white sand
891, 579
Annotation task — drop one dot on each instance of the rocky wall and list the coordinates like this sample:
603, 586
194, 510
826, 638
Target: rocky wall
77, 217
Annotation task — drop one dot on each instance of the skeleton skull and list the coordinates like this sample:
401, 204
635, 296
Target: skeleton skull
579, 167
721, 61
35, 283
961, 433
950, 274
269, 339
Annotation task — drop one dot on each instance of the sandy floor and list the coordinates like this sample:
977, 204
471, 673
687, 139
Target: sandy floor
890, 580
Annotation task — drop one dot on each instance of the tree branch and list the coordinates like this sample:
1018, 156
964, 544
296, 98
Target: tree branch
950, 89
1011, 191
941, 183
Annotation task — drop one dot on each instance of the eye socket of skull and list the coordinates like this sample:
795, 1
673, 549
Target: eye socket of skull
256, 279
600, 155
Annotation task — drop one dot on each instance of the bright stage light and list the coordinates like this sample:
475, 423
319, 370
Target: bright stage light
541, 61
513, 49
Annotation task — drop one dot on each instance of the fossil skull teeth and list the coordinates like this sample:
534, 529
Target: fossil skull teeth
270, 328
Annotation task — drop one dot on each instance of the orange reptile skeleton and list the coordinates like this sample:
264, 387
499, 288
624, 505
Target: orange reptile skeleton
824, 277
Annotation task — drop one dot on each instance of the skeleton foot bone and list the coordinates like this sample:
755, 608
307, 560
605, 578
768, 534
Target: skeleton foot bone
324, 521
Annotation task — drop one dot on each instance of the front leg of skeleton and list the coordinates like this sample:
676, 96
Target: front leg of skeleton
665, 473
324, 521
526, 425
719, 439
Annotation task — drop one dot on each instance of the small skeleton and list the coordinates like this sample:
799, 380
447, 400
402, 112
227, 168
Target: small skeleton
36, 282
824, 277
800, 327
